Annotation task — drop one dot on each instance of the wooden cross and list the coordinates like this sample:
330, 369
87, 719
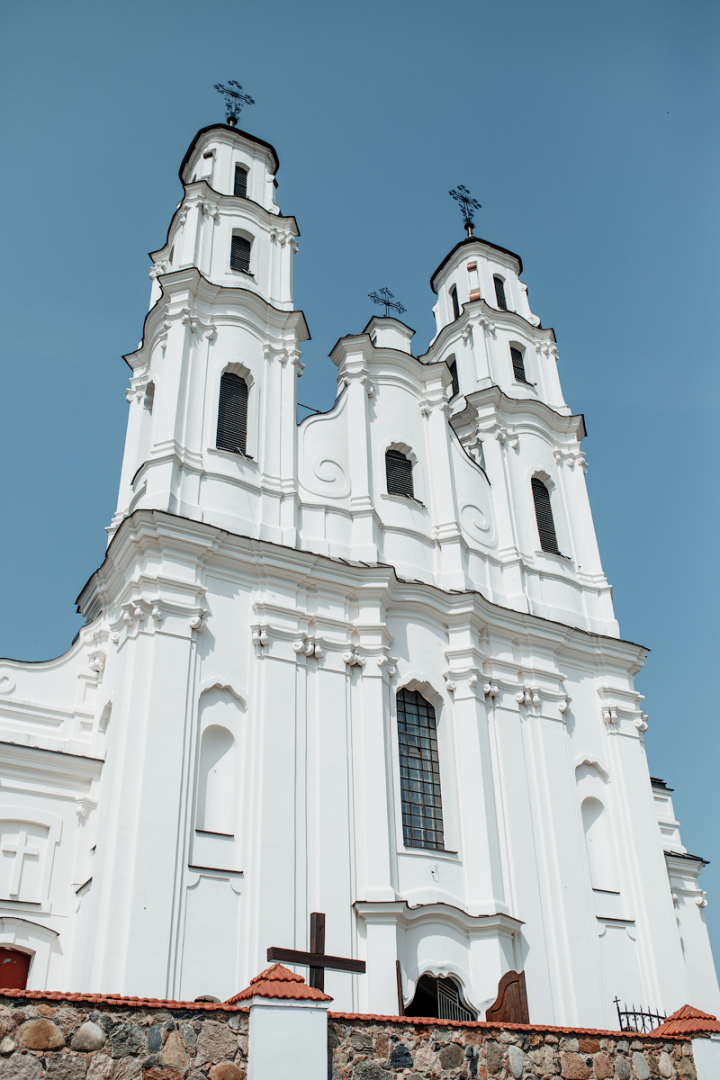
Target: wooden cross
316, 959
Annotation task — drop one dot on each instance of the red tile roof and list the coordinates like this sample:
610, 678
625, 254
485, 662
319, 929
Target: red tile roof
487, 1025
118, 1000
687, 1021
278, 982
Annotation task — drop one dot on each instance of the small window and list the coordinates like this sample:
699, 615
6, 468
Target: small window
419, 772
544, 516
240, 182
149, 398
452, 365
232, 414
500, 293
518, 364
398, 471
455, 303
240, 254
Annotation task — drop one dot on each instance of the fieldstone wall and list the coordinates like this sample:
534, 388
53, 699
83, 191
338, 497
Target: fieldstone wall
72, 1040
397, 1050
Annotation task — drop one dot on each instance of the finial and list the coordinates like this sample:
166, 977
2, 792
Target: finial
234, 100
384, 296
467, 205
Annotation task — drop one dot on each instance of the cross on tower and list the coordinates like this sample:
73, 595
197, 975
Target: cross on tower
316, 959
468, 205
20, 849
234, 100
384, 296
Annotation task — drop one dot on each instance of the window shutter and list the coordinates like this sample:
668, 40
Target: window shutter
455, 302
420, 794
500, 293
452, 364
544, 516
518, 364
240, 254
398, 471
232, 414
240, 181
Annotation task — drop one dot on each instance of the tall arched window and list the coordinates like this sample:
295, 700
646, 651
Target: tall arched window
398, 474
419, 772
500, 293
241, 176
232, 414
518, 364
216, 782
544, 517
600, 851
455, 303
240, 254
452, 365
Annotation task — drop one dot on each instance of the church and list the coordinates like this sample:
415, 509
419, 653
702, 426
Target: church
352, 686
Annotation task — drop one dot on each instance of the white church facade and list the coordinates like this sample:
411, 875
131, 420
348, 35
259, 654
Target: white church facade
365, 665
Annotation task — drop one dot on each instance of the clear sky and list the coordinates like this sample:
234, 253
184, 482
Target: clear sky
587, 131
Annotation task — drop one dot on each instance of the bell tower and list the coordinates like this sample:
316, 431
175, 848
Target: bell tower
221, 308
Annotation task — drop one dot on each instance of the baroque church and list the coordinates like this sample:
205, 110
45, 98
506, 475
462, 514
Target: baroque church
357, 678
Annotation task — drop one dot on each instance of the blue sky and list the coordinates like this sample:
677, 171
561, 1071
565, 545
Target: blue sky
587, 131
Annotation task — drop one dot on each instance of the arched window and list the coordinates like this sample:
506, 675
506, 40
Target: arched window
398, 473
455, 303
440, 998
14, 967
240, 181
601, 859
232, 414
216, 782
544, 516
500, 293
240, 254
452, 365
518, 364
419, 772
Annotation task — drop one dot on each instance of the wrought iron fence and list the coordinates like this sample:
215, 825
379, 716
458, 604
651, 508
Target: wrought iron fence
640, 1021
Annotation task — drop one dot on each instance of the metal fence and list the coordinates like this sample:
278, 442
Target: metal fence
640, 1021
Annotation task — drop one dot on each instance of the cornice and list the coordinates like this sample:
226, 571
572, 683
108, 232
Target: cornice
52, 760
199, 187
208, 293
476, 241
374, 583
235, 133
473, 313
515, 410
358, 350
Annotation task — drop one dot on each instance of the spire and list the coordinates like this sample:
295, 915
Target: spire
468, 205
234, 100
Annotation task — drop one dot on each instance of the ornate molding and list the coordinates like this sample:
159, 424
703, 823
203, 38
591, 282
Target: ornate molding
610, 716
571, 458
353, 658
308, 646
547, 348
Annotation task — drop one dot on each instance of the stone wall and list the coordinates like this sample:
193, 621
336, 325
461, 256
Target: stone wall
82, 1039
363, 1049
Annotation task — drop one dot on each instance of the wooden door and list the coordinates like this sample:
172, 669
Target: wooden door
510, 1006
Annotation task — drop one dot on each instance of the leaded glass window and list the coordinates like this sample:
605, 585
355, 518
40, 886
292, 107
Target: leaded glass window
419, 772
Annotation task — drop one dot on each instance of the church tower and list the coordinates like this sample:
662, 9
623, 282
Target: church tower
365, 667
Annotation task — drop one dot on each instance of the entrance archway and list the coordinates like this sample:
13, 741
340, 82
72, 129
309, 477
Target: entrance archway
439, 998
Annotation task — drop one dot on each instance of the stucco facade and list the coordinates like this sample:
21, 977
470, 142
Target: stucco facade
217, 754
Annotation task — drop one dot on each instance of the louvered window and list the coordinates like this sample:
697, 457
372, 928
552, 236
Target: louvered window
240, 181
455, 303
240, 254
500, 293
544, 515
419, 772
518, 364
398, 471
232, 414
452, 364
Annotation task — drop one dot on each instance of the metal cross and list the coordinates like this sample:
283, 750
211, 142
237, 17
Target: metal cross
234, 100
316, 959
384, 296
20, 849
467, 205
